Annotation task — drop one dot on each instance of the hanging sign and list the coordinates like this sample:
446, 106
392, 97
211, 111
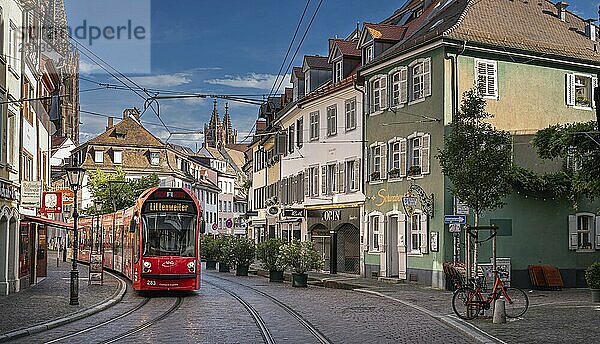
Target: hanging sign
52, 202
67, 196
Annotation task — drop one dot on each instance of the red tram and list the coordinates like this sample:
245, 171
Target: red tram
155, 243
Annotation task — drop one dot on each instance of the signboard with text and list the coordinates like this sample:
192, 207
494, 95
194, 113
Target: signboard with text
52, 202
67, 196
461, 219
291, 212
31, 194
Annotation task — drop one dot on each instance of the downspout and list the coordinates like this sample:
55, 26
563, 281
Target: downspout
454, 78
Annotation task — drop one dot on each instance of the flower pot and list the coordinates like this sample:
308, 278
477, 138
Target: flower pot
275, 276
299, 280
223, 267
595, 295
211, 265
241, 270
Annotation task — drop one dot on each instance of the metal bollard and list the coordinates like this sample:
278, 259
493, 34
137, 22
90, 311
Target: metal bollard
499, 312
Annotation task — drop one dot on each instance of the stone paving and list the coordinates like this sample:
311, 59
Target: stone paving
49, 299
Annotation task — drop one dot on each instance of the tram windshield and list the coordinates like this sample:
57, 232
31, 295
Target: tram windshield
169, 234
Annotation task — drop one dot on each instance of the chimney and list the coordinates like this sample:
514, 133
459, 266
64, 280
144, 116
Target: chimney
135, 113
590, 29
109, 123
260, 126
561, 6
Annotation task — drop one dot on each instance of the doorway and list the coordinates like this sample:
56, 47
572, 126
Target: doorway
322, 241
392, 247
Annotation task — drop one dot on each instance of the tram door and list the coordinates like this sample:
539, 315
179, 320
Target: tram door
323, 246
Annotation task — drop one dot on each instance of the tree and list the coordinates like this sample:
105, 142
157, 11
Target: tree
114, 191
477, 159
576, 144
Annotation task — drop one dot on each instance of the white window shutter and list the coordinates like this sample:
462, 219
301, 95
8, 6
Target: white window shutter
334, 179
424, 235
381, 235
492, 79
403, 85
323, 179
480, 76
384, 160
572, 232
341, 177
570, 89
427, 77
306, 183
356, 175
383, 82
402, 230
425, 144
594, 85
597, 228
403, 167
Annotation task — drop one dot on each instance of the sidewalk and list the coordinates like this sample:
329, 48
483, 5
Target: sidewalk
49, 299
566, 316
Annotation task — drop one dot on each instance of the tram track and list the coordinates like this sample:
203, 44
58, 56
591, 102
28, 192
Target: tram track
320, 337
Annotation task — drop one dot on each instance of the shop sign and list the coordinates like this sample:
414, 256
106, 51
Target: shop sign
290, 212
332, 215
31, 194
52, 202
8, 191
68, 196
228, 223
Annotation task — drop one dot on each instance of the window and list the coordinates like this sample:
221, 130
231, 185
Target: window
11, 139
416, 152
314, 126
584, 232
486, 78
314, 181
299, 131
415, 233
399, 86
220, 205
418, 147
154, 158
98, 156
395, 161
368, 54
378, 93
291, 138
27, 167
331, 179
12, 45
353, 175
339, 74
377, 168
580, 90
332, 120
350, 114
118, 157
374, 235
420, 76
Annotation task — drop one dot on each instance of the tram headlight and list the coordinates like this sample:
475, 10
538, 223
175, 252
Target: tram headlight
147, 266
191, 266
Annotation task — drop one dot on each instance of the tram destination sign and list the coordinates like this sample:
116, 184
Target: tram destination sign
169, 207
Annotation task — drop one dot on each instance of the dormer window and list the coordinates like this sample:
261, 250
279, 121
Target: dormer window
339, 71
154, 158
98, 156
369, 54
117, 157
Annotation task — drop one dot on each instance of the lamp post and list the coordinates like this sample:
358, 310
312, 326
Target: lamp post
98, 206
75, 178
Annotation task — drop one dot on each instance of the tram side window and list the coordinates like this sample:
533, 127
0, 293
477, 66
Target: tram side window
136, 246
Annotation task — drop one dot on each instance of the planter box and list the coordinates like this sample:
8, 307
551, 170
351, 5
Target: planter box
223, 267
211, 265
299, 280
275, 276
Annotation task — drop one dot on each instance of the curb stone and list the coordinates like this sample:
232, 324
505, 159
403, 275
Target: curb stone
113, 300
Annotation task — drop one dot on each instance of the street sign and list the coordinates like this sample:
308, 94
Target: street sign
461, 219
454, 228
229, 223
460, 208
214, 226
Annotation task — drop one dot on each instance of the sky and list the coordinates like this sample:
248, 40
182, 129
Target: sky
232, 47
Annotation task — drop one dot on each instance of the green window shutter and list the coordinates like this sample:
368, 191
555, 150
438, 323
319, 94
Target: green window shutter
570, 89
572, 232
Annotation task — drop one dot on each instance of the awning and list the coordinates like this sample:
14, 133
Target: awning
49, 222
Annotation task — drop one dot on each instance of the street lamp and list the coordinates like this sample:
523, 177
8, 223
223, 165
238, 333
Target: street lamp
75, 178
98, 206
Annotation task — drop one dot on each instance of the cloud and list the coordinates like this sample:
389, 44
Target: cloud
86, 67
252, 80
163, 80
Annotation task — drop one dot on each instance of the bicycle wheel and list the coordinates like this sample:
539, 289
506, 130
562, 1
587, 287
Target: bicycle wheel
466, 303
516, 302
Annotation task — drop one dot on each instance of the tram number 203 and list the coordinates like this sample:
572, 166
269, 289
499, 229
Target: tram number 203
151, 283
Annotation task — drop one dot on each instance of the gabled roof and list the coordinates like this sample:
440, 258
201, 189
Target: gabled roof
57, 141
297, 72
346, 48
186, 151
382, 32
128, 132
317, 62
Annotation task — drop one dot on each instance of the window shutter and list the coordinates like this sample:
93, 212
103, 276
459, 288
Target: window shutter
341, 177
572, 232
403, 85
492, 79
427, 77
424, 235
402, 230
323, 179
381, 236
570, 89
334, 179
384, 93
403, 167
306, 184
597, 228
384, 160
368, 159
356, 181
425, 143
594, 85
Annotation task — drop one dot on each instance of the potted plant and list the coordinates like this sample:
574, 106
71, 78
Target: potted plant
210, 250
268, 252
592, 277
244, 252
225, 253
375, 176
394, 173
300, 257
414, 171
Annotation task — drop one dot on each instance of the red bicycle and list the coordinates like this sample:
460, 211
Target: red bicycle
468, 302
